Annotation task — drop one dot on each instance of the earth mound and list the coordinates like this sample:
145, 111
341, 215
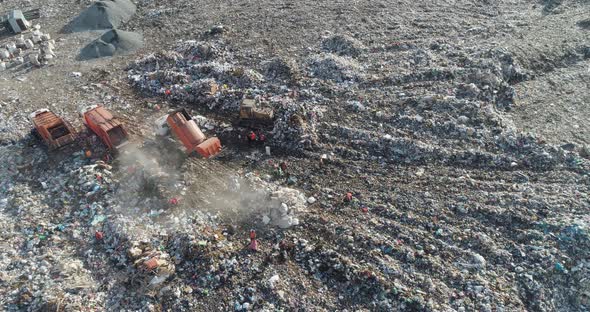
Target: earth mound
102, 15
112, 42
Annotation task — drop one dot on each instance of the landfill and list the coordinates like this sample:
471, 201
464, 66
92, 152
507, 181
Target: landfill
186, 74
420, 157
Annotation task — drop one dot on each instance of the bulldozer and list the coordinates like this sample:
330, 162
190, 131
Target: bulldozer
255, 117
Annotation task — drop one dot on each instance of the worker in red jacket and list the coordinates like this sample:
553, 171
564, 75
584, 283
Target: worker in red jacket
253, 242
251, 136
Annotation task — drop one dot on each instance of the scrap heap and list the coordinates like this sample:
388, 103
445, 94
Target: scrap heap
204, 73
34, 48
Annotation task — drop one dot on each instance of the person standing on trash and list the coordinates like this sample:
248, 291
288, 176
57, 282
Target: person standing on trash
261, 137
283, 166
253, 242
251, 136
277, 170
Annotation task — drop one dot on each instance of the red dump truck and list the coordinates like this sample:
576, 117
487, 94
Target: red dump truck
188, 132
107, 127
54, 131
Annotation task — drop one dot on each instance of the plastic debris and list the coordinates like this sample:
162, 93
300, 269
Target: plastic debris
273, 280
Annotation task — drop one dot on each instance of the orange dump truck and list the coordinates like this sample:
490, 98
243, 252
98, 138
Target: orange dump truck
107, 127
188, 132
52, 129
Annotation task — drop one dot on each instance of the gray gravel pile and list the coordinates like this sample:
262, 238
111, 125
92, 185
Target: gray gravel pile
102, 15
111, 43
585, 24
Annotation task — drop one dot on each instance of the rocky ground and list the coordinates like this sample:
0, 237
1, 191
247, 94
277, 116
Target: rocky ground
437, 160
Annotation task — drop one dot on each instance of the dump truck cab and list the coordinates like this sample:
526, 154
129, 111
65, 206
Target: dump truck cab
188, 132
54, 131
107, 127
253, 116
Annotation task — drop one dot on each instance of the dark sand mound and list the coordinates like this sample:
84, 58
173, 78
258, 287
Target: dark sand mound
112, 42
102, 15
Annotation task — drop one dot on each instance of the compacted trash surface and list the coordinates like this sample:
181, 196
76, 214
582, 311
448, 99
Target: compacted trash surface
422, 156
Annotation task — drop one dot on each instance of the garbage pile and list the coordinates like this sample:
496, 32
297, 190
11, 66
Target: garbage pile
408, 186
73, 229
335, 68
151, 262
273, 204
34, 49
282, 70
144, 177
343, 45
365, 285
52, 212
204, 73
180, 74
450, 115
